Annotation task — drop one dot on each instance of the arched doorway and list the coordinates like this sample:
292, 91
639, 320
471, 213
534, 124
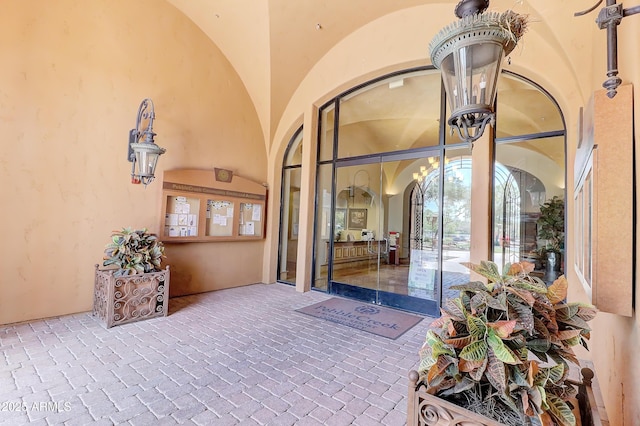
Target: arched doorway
379, 234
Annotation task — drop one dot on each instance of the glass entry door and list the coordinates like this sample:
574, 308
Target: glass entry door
373, 244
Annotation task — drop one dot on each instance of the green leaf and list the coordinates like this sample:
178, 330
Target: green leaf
518, 377
477, 327
524, 315
478, 301
426, 360
475, 351
461, 386
531, 285
460, 342
536, 398
477, 373
587, 312
540, 328
498, 303
439, 367
542, 356
438, 347
560, 411
523, 294
566, 311
556, 373
503, 328
473, 286
539, 345
549, 375
454, 310
501, 351
496, 373
487, 269
575, 321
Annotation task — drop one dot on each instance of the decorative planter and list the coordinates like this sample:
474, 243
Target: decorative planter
119, 300
425, 409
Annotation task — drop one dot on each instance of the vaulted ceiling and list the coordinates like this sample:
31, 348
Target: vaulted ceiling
273, 44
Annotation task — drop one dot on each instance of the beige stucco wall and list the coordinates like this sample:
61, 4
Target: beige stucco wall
615, 340
72, 77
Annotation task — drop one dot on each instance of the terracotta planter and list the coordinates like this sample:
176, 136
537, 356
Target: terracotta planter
120, 300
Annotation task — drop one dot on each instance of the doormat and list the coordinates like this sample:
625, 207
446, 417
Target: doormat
375, 319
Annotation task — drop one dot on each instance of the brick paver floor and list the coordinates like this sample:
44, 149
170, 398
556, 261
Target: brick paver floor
237, 356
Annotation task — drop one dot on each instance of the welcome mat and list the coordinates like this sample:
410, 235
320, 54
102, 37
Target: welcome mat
384, 322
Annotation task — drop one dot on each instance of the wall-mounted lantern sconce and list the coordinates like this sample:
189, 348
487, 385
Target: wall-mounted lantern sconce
469, 53
142, 149
610, 17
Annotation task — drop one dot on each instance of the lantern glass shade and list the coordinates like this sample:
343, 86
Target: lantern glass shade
147, 158
470, 74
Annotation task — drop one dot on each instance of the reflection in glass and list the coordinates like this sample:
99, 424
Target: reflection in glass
523, 109
323, 225
526, 174
395, 114
327, 126
290, 211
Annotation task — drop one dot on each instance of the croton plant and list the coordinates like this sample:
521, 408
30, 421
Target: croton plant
134, 252
507, 343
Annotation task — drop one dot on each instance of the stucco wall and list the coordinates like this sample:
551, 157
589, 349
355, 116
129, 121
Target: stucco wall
615, 340
72, 77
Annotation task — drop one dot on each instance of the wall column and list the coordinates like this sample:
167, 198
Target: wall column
481, 187
307, 198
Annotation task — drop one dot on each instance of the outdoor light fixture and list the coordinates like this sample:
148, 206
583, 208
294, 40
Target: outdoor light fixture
610, 17
142, 149
469, 53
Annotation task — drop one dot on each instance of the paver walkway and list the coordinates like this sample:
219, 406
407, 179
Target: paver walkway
236, 356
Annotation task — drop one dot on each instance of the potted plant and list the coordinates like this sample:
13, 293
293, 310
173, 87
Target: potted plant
551, 230
134, 287
501, 351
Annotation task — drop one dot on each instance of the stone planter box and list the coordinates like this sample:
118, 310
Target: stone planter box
120, 300
428, 410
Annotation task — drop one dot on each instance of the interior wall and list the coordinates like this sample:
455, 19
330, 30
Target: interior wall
72, 77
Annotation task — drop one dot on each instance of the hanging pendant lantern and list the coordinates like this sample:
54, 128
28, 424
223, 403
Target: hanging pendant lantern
469, 53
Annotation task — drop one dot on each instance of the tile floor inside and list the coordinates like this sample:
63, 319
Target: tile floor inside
236, 356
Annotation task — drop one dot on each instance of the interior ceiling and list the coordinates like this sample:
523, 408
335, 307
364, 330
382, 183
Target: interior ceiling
260, 38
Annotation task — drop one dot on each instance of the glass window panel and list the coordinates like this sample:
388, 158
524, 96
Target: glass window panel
523, 109
327, 126
526, 174
397, 113
293, 157
456, 219
290, 215
322, 226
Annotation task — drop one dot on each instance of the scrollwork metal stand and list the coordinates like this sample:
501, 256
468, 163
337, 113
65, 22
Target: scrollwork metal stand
120, 300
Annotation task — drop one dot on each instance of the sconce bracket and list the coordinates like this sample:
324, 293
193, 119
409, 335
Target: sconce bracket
609, 17
133, 138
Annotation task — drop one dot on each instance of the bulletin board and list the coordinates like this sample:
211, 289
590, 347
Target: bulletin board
211, 205
251, 223
220, 215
